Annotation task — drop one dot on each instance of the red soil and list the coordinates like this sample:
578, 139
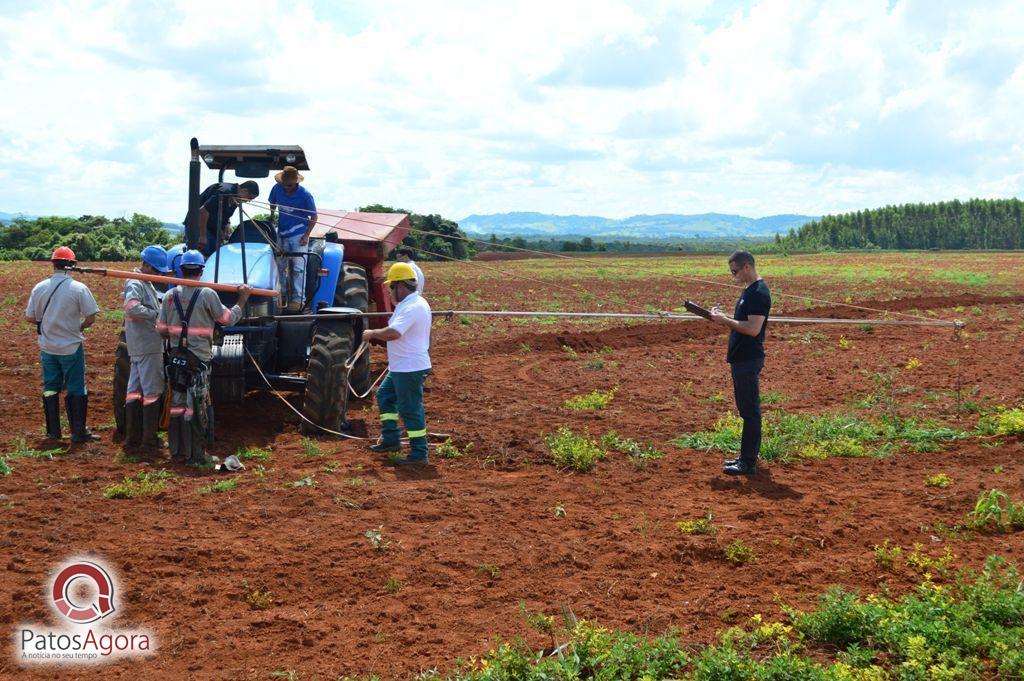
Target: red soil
185, 558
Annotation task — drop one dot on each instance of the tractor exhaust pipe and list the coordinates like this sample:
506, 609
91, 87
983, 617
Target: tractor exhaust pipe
192, 221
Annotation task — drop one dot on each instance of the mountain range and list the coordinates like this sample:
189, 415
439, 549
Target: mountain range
664, 225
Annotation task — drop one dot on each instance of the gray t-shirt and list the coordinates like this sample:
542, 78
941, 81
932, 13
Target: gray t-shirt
62, 324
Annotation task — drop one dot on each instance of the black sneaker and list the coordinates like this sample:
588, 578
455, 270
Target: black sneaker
740, 468
731, 462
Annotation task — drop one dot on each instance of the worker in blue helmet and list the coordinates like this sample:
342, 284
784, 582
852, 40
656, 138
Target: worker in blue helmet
142, 405
187, 320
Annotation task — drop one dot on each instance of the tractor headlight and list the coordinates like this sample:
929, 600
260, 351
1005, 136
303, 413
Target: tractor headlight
209, 159
290, 158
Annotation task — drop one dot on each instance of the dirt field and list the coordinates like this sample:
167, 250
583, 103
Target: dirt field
471, 538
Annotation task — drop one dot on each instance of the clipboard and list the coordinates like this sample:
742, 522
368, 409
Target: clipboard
697, 310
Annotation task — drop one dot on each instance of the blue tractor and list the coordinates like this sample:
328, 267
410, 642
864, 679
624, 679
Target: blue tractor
304, 352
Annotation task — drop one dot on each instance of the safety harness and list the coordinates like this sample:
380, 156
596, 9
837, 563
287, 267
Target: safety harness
183, 367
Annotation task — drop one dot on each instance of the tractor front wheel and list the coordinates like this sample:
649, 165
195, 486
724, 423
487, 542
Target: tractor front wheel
326, 399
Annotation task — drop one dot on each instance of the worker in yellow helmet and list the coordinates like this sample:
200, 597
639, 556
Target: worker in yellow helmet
401, 393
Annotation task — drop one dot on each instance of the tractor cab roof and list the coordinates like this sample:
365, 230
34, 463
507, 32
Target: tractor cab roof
252, 160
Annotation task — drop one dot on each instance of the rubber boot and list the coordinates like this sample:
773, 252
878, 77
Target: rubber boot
178, 434
132, 424
51, 410
195, 433
151, 424
78, 412
417, 453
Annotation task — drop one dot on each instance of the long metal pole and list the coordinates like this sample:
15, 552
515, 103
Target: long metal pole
159, 279
615, 315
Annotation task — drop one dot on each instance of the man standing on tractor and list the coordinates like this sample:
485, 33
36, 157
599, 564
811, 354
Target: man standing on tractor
62, 308
187, 318
298, 218
217, 204
401, 393
404, 254
746, 356
142, 407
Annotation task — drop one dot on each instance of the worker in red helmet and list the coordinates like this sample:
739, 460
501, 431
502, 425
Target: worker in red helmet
62, 308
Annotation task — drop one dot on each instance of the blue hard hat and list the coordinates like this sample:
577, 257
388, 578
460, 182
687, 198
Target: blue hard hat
155, 257
193, 258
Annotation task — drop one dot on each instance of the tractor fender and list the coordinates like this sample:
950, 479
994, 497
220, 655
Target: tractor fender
358, 323
333, 255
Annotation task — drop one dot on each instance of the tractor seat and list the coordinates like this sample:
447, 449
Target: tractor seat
250, 233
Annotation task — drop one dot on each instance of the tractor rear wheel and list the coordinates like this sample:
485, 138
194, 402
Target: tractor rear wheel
122, 369
326, 399
353, 291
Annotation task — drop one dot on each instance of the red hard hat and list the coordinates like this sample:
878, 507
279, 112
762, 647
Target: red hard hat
64, 253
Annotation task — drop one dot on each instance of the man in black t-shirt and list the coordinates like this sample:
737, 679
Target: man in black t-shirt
217, 204
746, 356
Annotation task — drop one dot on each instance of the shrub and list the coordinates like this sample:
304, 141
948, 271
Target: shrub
1005, 422
569, 450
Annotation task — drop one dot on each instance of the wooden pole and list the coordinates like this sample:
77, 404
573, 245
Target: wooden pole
159, 279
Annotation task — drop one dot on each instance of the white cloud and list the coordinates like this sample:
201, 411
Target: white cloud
608, 106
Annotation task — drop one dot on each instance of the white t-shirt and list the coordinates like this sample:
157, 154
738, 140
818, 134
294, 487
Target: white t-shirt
411, 318
419, 276
62, 325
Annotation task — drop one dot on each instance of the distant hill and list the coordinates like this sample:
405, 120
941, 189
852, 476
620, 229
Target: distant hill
6, 218
665, 225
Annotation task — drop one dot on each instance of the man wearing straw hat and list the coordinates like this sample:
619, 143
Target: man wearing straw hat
298, 217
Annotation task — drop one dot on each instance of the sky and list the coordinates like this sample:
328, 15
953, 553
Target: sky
595, 107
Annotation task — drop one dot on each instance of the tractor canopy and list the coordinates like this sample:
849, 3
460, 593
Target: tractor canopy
252, 160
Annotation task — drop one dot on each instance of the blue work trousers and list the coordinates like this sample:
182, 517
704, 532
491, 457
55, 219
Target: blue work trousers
401, 395
64, 371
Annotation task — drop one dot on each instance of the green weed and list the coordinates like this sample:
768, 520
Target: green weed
698, 526
994, 511
739, 553
393, 586
569, 450
220, 486
310, 448
489, 569
639, 453
887, 556
23, 451
142, 484
940, 480
306, 481
449, 450
378, 541
596, 400
253, 454
256, 598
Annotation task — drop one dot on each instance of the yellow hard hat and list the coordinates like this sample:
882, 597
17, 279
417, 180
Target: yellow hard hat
400, 271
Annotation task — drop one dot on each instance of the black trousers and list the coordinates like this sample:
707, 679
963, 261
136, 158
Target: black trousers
746, 387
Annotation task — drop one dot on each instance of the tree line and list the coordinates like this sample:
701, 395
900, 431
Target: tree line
435, 238
91, 237
949, 225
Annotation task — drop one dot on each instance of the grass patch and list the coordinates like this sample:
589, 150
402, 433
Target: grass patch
23, 451
594, 401
569, 450
307, 481
969, 629
962, 277
5, 468
142, 484
789, 436
220, 486
253, 454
